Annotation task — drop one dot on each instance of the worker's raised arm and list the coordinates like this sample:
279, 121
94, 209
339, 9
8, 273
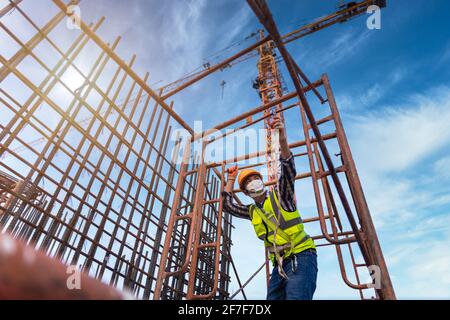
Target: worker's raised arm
286, 180
237, 210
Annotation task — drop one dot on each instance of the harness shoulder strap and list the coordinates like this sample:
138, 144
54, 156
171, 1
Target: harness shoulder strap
274, 204
263, 216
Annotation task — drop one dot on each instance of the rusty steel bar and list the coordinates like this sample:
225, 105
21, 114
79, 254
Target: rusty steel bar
109, 221
10, 6
331, 207
387, 290
237, 276
329, 199
154, 184
314, 178
214, 68
162, 273
159, 234
308, 82
229, 132
24, 108
262, 12
263, 152
16, 173
33, 42
129, 71
117, 109
299, 176
57, 225
248, 281
195, 228
74, 124
35, 106
114, 191
95, 74
259, 109
77, 214
321, 174
82, 166
215, 245
322, 23
355, 270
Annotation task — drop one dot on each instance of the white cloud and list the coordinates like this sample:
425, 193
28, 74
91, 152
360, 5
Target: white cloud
442, 167
396, 138
369, 97
419, 260
389, 147
385, 143
183, 37
342, 46
408, 201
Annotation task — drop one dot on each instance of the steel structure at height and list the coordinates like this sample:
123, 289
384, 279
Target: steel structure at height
269, 86
99, 186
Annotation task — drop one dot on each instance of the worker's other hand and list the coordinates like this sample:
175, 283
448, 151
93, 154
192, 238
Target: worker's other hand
232, 172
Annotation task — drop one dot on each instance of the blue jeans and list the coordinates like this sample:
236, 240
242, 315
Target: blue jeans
302, 278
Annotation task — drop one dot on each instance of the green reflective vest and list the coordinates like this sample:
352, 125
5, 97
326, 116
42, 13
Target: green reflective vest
290, 228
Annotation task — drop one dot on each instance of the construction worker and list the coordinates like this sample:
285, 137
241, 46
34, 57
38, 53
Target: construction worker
277, 222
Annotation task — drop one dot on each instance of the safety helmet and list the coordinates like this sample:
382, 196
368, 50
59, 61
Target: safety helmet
244, 174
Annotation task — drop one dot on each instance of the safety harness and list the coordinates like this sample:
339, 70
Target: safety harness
275, 225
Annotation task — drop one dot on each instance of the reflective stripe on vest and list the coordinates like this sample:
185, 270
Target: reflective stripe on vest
267, 217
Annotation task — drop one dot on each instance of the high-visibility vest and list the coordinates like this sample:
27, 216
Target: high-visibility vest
290, 232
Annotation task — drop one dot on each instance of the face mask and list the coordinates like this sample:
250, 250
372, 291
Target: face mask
255, 188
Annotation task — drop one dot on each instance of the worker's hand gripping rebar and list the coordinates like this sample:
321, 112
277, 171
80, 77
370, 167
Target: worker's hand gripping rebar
276, 125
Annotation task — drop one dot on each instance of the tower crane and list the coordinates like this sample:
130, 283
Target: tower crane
346, 12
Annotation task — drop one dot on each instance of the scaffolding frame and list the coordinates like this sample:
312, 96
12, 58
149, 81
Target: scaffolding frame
84, 198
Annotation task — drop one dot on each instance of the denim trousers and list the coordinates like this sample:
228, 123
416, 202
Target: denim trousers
302, 276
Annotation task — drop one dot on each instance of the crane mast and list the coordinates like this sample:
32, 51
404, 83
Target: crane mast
269, 86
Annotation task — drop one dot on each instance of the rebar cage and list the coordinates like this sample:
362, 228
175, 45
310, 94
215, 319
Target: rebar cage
90, 171
87, 156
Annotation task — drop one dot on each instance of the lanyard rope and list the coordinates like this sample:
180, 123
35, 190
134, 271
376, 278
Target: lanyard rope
276, 252
275, 227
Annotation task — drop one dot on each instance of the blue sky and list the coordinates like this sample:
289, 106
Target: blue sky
391, 85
